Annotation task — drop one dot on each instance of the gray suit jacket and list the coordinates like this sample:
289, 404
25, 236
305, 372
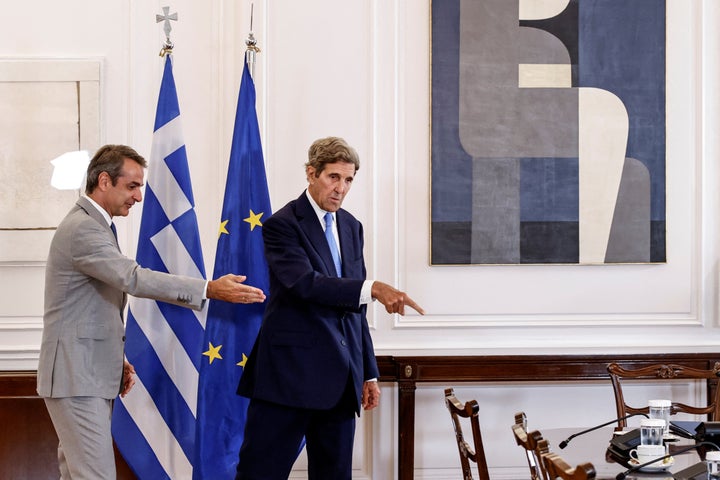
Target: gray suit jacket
86, 282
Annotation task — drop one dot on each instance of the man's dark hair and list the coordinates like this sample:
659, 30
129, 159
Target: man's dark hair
110, 159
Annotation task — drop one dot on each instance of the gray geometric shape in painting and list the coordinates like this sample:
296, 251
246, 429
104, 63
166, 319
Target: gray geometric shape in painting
629, 240
497, 118
496, 211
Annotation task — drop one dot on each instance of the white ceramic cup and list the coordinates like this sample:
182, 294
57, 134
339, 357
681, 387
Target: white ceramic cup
712, 459
651, 431
647, 453
660, 409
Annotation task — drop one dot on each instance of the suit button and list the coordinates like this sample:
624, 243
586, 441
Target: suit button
342, 342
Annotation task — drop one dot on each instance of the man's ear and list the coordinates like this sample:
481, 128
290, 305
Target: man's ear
310, 173
104, 181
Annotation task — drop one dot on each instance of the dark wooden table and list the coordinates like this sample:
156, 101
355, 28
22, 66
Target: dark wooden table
408, 371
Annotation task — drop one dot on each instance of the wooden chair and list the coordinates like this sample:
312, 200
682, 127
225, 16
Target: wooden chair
533, 443
557, 468
476, 453
666, 372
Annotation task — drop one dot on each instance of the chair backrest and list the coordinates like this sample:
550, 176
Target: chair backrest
666, 372
534, 446
476, 453
558, 468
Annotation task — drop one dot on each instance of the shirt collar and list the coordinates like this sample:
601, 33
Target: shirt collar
318, 211
102, 211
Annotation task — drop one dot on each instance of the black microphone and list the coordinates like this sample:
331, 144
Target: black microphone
621, 476
565, 442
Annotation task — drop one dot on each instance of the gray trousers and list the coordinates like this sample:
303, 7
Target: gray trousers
82, 425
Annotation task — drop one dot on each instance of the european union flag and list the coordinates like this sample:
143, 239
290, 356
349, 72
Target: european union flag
232, 328
154, 425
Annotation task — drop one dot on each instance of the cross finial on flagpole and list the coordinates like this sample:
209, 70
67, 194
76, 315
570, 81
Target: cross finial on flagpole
167, 28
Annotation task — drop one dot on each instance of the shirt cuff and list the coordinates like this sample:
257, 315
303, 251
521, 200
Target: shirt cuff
366, 292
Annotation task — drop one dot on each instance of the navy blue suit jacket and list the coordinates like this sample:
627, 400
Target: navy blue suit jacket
314, 334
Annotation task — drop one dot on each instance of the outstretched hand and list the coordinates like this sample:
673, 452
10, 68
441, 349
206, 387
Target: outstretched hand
230, 288
394, 300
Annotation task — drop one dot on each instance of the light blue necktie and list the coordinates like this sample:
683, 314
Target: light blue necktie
331, 242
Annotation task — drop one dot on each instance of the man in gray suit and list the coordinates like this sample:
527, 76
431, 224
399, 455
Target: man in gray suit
82, 366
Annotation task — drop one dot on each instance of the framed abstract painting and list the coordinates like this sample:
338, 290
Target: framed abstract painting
548, 132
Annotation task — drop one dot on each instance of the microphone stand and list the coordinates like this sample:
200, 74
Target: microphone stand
622, 475
565, 442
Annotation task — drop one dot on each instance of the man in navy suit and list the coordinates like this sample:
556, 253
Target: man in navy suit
313, 364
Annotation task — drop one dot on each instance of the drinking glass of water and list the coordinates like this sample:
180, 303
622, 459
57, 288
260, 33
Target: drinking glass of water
660, 409
651, 431
713, 465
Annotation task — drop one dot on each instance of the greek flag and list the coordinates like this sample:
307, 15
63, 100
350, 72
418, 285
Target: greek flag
232, 328
154, 425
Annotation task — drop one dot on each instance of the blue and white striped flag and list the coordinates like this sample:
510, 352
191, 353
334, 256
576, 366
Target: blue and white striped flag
154, 425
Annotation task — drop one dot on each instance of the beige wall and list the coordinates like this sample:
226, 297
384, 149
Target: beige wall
360, 69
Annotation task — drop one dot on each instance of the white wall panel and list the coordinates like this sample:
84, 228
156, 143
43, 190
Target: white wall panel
560, 295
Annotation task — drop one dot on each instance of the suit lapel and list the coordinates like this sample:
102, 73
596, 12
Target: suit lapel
347, 244
311, 226
85, 204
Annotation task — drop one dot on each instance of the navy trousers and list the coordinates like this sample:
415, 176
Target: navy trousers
274, 434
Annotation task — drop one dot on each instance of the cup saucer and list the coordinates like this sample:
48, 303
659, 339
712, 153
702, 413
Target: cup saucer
653, 467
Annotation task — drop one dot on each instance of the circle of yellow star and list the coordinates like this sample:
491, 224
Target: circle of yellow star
213, 352
254, 220
243, 361
222, 230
